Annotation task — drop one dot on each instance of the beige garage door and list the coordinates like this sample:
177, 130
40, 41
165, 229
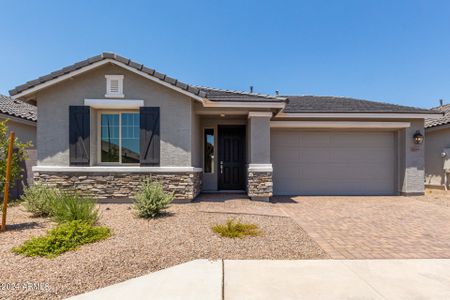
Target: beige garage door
332, 162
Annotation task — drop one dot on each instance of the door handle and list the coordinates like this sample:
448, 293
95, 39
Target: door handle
221, 167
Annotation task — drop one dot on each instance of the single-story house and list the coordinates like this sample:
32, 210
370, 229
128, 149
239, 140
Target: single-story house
107, 122
22, 119
437, 149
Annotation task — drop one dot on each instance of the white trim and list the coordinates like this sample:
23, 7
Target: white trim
219, 112
114, 104
338, 124
116, 169
18, 120
359, 115
98, 64
260, 168
259, 114
224, 104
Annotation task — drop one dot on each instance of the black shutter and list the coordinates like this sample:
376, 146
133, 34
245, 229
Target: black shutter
79, 127
149, 136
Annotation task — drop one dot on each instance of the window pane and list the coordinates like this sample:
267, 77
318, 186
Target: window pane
208, 166
130, 138
110, 138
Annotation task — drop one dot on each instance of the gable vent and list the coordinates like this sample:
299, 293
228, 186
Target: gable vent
114, 86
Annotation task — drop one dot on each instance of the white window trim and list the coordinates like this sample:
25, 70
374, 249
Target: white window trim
119, 94
99, 138
203, 149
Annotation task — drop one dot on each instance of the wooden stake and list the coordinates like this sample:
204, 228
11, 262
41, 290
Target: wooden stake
7, 179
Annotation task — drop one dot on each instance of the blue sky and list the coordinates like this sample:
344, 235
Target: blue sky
393, 51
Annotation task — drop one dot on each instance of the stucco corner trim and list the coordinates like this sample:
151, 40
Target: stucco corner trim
116, 169
114, 104
260, 168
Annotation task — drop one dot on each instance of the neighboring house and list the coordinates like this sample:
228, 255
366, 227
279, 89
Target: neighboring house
437, 142
107, 122
22, 119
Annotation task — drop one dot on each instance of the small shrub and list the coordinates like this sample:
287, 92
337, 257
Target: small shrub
151, 199
65, 237
38, 199
71, 206
236, 229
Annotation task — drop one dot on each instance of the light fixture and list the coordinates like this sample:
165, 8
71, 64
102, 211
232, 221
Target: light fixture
418, 137
222, 115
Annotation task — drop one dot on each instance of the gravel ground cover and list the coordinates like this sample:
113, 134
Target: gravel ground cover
138, 247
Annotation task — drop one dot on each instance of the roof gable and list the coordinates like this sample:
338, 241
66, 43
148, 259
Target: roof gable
96, 61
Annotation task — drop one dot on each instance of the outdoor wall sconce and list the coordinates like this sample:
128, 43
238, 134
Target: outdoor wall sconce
418, 137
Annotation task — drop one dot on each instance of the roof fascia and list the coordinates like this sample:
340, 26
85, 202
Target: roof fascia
360, 115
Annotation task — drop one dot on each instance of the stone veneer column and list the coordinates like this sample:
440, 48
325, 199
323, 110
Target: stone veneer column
259, 173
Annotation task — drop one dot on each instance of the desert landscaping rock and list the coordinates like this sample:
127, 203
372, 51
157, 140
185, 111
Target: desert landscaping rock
140, 246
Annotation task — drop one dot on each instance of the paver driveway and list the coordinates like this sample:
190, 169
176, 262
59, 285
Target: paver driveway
372, 227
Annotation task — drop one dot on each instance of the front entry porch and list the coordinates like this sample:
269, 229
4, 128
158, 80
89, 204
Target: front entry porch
236, 153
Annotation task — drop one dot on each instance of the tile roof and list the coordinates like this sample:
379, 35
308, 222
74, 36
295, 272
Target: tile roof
215, 94
17, 108
106, 55
444, 120
328, 104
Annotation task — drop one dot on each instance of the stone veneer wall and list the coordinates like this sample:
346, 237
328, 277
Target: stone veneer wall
259, 185
185, 186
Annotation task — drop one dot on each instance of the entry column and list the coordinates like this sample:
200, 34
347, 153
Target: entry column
259, 171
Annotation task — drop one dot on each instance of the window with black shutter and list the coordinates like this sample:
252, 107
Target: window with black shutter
150, 136
79, 128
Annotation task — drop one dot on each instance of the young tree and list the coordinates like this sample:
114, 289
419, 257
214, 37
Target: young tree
19, 156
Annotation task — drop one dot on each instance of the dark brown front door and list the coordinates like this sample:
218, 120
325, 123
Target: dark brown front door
231, 157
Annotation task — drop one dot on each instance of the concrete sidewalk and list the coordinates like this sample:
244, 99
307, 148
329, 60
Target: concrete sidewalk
296, 279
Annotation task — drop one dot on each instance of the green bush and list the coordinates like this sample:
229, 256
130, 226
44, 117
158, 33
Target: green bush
65, 237
151, 199
39, 199
72, 206
236, 229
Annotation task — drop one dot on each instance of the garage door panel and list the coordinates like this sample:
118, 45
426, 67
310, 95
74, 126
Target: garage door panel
334, 163
313, 155
286, 139
359, 139
362, 155
314, 140
287, 154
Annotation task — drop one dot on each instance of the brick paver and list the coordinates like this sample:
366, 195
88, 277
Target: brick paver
373, 227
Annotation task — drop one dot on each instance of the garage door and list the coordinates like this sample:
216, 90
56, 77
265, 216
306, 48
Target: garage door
332, 162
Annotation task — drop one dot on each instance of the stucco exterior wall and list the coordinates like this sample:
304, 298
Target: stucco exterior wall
53, 105
259, 135
411, 158
435, 142
25, 133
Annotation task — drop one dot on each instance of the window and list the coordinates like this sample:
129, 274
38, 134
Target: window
208, 165
114, 86
119, 138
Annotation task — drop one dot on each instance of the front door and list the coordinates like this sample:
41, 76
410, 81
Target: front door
231, 157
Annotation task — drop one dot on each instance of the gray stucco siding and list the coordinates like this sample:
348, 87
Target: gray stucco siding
436, 140
53, 106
